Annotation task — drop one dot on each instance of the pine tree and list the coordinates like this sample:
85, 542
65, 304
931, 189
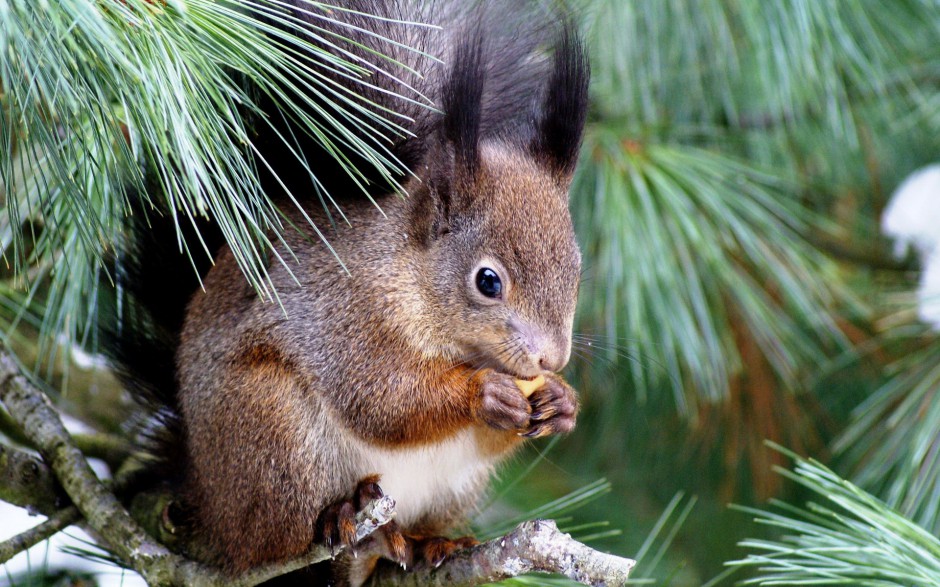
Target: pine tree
736, 289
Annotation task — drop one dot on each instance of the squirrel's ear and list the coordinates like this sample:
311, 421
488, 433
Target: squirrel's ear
561, 120
454, 153
462, 101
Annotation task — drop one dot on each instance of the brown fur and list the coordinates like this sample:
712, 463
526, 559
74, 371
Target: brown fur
394, 353
398, 372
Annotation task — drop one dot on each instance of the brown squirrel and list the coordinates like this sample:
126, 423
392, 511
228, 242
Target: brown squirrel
398, 375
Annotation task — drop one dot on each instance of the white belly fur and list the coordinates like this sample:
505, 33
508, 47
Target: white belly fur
422, 479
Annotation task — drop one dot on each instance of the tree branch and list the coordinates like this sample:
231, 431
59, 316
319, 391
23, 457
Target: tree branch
378, 513
111, 449
10, 429
536, 546
55, 524
104, 514
874, 256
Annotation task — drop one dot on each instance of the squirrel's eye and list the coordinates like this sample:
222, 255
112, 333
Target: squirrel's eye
489, 283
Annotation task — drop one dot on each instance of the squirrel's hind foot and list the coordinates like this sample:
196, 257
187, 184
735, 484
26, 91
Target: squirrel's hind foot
434, 549
336, 525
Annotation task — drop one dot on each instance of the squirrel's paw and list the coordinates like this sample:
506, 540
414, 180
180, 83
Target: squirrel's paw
502, 406
433, 550
394, 545
554, 408
336, 525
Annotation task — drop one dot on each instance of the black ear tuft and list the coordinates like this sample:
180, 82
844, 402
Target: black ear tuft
462, 100
561, 122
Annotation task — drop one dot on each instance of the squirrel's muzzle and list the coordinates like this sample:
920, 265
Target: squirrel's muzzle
544, 351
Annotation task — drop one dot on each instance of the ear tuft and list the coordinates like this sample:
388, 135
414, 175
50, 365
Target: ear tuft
462, 100
564, 109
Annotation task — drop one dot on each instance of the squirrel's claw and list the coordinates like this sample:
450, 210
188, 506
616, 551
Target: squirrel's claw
368, 489
554, 408
501, 405
536, 432
336, 527
435, 549
397, 548
551, 409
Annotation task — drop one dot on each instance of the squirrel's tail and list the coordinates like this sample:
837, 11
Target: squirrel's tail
153, 280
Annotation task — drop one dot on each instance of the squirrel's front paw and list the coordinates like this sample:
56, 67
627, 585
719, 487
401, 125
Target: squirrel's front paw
554, 408
502, 406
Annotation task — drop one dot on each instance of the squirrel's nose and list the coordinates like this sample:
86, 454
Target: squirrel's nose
554, 356
551, 352
546, 352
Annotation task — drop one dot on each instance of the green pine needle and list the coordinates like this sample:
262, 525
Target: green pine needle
848, 538
685, 244
94, 91
893, 439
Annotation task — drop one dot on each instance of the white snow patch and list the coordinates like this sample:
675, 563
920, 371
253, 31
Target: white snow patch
48, 555
912, 219
928, 292
74, 425
80, 357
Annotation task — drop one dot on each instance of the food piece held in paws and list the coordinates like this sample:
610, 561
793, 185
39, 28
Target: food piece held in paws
528, 387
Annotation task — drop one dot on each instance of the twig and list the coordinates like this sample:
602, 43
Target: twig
10, 429
110, 448
55, 524
104, 514
867, 255
536, 546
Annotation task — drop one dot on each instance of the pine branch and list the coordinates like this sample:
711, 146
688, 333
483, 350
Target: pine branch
873, 256
26, 540
111, 449
104, 514
376, 514
844, 537
10, 429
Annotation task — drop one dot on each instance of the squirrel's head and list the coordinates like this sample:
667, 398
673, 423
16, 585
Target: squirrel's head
492, 215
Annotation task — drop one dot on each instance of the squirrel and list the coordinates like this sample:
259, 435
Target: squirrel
397, 373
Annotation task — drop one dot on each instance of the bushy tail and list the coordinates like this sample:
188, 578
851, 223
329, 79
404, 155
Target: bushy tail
153, 282
407, 51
